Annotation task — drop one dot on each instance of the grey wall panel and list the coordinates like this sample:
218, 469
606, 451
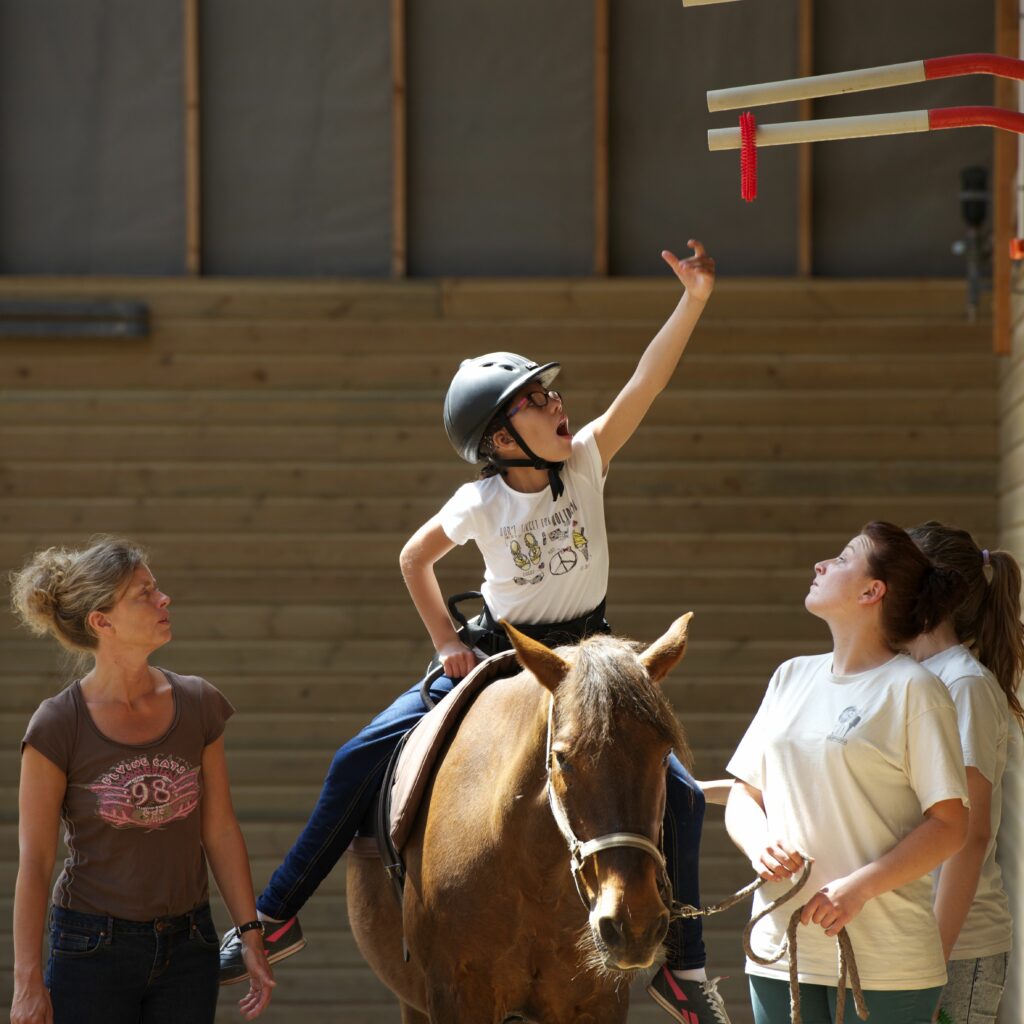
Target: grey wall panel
91, 179
888, 206
665, 185
501, 137
296, 137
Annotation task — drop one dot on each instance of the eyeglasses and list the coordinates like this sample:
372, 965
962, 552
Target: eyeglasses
538, 399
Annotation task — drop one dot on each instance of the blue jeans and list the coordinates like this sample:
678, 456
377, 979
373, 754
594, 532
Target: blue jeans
770, 999
355, 776
103, 970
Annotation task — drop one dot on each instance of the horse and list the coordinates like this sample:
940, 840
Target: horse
536, 888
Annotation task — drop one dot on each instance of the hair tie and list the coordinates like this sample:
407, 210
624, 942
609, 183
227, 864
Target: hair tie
984, 556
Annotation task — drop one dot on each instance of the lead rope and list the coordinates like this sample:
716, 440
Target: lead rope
847, 960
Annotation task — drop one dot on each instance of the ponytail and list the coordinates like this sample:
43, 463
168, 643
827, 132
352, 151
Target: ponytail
998, 634
988, 618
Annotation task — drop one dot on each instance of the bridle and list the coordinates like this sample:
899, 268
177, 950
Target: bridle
580, 852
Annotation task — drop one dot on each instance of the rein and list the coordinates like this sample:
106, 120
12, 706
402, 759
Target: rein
847, 960
580, 852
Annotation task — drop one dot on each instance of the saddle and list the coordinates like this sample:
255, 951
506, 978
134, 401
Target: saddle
412, 765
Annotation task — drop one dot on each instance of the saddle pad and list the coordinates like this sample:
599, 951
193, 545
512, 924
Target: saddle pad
416, 763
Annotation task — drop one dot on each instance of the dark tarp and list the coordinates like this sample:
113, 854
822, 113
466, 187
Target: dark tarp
296, 137
91, 150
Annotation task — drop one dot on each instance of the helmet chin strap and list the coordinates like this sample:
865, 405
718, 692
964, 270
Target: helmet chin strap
533, 461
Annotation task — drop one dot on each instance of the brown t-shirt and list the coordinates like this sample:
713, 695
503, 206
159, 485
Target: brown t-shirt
131, 813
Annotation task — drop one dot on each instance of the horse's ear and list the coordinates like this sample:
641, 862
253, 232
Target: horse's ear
547, 666
667, 651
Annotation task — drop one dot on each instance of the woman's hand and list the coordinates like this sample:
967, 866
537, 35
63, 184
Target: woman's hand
834, 905
777, 861
31, 1004
261, 977
697, 273
456, 659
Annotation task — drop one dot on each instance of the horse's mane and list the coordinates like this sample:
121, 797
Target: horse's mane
607, 681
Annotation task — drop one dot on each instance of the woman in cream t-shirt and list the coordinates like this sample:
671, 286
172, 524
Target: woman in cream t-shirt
978, 653
854, 759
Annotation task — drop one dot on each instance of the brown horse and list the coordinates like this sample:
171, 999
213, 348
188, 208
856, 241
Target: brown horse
500, 926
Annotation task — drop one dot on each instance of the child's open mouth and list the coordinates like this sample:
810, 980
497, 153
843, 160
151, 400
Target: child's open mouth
563, 428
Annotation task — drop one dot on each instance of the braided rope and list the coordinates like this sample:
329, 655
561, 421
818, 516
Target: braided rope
847, 961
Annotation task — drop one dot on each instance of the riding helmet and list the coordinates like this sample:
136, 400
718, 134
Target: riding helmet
479, 391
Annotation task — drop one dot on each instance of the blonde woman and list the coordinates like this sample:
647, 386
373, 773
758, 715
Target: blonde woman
130, 759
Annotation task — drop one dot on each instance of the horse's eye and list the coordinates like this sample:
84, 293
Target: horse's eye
562, 760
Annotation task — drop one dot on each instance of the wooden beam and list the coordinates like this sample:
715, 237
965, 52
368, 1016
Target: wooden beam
193, 195
399, 154
805, 158
1004, 191
601, 117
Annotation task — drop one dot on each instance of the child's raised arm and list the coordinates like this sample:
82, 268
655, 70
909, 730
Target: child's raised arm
616, 426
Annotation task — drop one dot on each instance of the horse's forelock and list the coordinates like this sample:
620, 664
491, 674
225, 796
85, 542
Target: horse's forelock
608, 681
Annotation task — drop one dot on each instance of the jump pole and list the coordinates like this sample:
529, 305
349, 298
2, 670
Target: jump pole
816, 86
865, 125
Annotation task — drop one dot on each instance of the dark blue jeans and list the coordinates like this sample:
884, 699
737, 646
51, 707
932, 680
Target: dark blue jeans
353, 781
104, 970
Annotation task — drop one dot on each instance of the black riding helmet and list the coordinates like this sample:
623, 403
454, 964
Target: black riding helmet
477, 396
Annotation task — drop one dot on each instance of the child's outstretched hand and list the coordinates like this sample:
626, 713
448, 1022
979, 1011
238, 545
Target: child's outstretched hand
697, 274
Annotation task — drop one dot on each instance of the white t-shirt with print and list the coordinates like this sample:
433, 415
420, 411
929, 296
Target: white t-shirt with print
545, 560
983, 715
847, 765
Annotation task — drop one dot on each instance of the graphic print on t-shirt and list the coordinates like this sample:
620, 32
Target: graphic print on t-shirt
147, 792
554, 543
849, 719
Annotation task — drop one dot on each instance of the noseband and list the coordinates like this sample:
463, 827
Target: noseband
580, 852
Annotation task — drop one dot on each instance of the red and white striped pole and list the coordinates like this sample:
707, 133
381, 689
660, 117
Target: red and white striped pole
816, 86
866, 125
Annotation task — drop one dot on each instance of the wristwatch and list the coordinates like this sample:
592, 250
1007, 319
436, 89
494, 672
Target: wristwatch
250, 926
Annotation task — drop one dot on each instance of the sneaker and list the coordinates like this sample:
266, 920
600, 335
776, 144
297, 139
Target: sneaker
689, 1002
281, 939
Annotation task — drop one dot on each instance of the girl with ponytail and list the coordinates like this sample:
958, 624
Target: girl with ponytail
978, 652
853, 761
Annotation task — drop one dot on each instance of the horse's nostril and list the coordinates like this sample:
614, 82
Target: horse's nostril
610, 931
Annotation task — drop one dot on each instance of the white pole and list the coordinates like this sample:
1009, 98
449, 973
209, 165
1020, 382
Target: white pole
824, 129
704, 3
816, 85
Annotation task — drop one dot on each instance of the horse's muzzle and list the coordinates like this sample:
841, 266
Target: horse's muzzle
625, 946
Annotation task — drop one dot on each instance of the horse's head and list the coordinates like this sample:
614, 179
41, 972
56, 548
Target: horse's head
610, 733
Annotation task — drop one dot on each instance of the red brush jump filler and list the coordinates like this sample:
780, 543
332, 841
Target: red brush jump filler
748, 157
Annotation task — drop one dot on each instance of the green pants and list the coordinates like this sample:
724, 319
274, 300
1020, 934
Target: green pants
770, 999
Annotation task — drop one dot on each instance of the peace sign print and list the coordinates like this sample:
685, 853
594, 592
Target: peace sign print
562, 561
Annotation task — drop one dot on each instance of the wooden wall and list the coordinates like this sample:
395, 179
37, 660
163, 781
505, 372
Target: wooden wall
1011, 537
275, 442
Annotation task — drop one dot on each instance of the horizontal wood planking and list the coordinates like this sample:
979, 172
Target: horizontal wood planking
504, 299
276, 442
677, 478
136, 369
79, 516
947, 405
569, 341
337, 445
